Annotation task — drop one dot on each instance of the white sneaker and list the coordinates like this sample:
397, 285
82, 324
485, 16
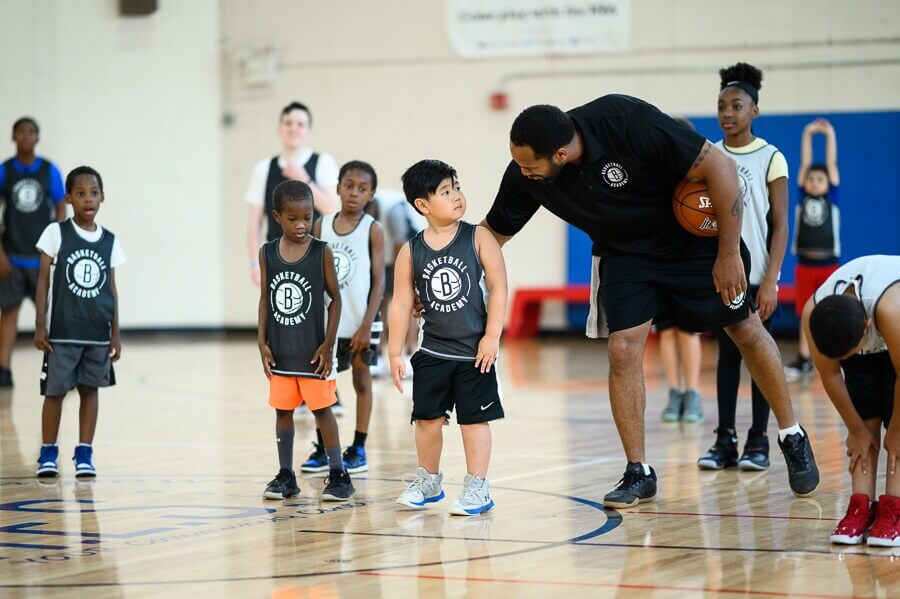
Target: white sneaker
475, 497
421, 488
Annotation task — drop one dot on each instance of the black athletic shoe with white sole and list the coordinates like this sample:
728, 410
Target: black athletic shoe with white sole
803, 473
635, 487
756, 452
284, 485
338, 486
723, 452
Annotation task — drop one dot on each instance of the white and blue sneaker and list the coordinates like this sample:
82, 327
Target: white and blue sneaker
83, 458
48, 462
475, 497
421, 488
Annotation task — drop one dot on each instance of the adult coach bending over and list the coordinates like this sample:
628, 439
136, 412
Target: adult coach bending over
610, 168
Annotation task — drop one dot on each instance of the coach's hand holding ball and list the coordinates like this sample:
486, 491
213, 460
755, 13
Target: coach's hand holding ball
694, 211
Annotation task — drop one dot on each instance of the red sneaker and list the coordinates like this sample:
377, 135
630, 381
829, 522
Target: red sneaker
886, 528
852, 529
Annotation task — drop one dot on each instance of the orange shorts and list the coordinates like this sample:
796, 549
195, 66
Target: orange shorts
288, 392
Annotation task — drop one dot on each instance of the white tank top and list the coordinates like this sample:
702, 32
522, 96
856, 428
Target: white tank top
753, 168
353, 264
870, 277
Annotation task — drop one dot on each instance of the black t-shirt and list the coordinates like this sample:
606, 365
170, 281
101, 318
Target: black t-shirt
621, 193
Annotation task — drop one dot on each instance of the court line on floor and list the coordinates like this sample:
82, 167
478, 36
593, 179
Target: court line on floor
613, 520
737, 549
605, 585
725, 515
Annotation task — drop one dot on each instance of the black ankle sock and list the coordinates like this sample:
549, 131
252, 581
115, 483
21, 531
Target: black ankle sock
359, 439
319, 439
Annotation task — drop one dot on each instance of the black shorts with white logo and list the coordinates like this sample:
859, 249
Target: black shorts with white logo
440, 385
677, 292
345, 354
70, 365
870, 380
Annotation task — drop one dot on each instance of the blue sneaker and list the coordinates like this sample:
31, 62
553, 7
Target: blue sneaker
83, 458
355, 459
317, 461
48, 462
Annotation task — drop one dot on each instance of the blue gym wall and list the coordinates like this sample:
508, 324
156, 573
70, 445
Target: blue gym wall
868, 153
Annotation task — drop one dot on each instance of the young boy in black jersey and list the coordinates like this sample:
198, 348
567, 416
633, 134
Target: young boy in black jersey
297, 339
456, 269
81, 340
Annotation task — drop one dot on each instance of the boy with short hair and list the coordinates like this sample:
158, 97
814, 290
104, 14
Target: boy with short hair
32, 191
456, 269
852, 324
817, 229
81, 341
296, 338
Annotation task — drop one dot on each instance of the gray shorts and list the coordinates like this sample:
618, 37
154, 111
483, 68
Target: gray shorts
70, 365
21, 283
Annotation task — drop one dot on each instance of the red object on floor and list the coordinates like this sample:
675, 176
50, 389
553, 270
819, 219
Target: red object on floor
525, 316
787, 294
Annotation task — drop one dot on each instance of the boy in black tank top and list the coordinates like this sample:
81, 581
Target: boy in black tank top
296, 338
451, 266
81, 340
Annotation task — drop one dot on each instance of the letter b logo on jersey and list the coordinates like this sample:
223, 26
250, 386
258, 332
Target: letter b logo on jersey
445, 284
288, 298
85, 273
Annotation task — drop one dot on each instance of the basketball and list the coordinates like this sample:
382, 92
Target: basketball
694, 210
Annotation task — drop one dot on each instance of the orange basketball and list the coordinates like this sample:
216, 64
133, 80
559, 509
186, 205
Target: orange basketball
693, 209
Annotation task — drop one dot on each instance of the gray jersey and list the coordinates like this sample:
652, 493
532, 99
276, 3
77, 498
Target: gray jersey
870, 276
450, 285
353, 265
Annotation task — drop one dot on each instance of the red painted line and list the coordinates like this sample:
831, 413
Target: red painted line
602, 585
649, 513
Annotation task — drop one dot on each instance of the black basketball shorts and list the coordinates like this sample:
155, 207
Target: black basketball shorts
870, 380
345, 354
440, 385
679, 290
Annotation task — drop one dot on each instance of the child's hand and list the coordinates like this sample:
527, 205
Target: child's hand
892, 445
115, 348
362, 338
488, 348
42, 339
268, 359
5, 266
398, 371
324, 356
859, 445
767, 300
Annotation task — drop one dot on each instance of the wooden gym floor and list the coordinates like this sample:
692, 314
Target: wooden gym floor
185, 447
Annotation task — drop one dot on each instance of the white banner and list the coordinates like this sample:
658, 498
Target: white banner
490, 28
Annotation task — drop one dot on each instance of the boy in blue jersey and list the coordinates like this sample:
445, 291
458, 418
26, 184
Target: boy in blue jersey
32, 193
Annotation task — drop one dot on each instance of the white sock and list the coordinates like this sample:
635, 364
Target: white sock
646, 469
48, 444
83, 445
791, 430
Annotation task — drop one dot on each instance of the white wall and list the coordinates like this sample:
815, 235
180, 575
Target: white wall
138, 99
142, 99
385, 86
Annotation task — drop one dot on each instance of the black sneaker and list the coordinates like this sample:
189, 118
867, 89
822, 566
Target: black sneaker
722, 454
803, 474
5, 378
756, 452
635, 487
284, 485
338, 486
